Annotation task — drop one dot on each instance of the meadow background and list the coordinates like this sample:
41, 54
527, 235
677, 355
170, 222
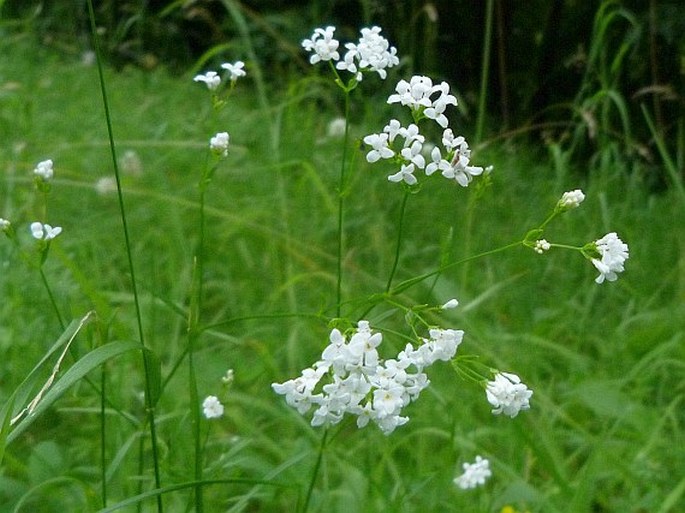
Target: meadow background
606, 429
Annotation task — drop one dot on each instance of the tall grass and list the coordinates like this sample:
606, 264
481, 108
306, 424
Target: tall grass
606, 363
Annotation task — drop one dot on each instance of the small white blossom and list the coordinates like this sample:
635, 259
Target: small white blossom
571, 199
42, 231
44, 170
507, 394
475, 474
4, 225
219, 144
541, 246
381, 150
211, 79
235, 69
405, 174
324, 46
212, 408
614, 253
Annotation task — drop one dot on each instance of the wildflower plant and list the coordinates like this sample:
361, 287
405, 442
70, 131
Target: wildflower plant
367, 372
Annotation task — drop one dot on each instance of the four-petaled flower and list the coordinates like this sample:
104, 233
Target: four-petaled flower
474, 474
211, 79
235, 69
613, 254
324, 46
42, 231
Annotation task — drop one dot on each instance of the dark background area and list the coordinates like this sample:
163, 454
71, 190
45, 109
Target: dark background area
571, 71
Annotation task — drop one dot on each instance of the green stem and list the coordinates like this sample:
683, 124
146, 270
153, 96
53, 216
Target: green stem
341, 203
315, 472
413, 281
53, 302
129, 254
403, 209
193, 333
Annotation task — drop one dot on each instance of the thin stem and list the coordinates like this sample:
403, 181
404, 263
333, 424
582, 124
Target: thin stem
315, 472
193, 333
53, 302
413, 281
341, 203
129, 254
403, 209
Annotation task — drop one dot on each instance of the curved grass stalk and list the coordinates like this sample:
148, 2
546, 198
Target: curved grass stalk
149, 406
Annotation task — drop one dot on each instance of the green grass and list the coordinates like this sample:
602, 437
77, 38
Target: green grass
606, 428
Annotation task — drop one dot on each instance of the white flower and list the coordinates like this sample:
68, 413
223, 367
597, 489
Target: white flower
438, 106
614, 253
452, 303
507, 394
4, 225
44, 170
235, 69
219, 144
381, 150
474, 474
212, 408
323, 45
541, 246
405, 174
571, 199
42, 231
211, 79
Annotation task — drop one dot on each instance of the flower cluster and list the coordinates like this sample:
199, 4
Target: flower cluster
426, 101
474, 474
352, 379
570, 199
419, 95
613, 254
507, 394
219, 144
371, 53
607, 254
44, 170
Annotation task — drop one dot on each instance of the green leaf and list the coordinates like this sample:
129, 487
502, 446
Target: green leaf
77, 371
27, 387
